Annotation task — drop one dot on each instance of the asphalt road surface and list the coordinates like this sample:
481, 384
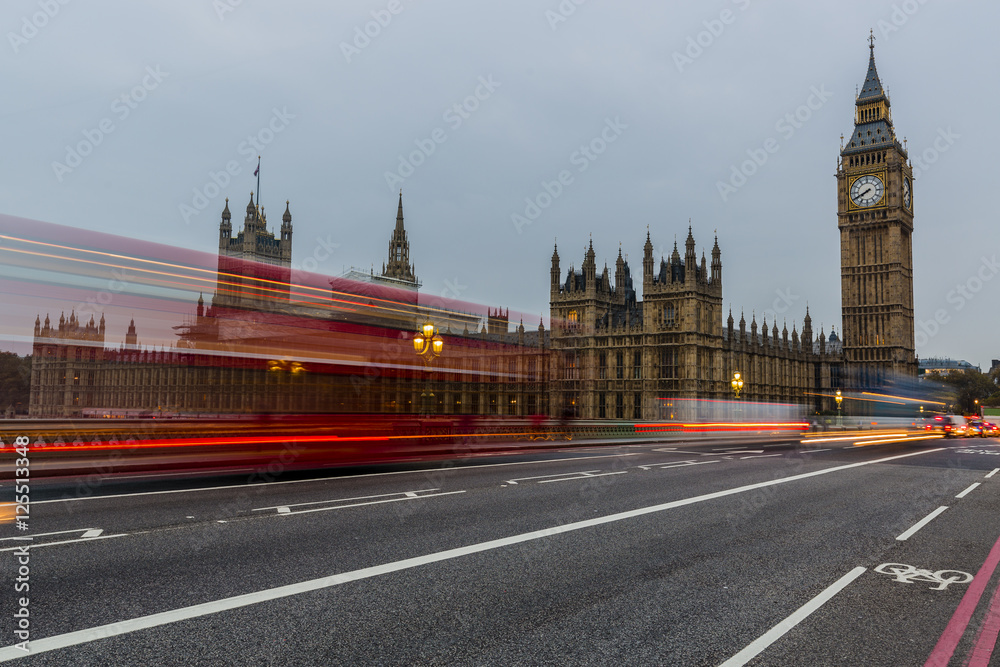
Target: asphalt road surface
707, 552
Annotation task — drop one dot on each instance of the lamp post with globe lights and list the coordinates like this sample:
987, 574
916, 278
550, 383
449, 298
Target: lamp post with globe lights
428, 344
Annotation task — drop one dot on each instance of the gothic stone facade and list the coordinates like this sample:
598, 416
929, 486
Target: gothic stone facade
616, 356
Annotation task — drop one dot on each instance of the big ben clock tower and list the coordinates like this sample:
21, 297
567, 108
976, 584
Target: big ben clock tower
875, 217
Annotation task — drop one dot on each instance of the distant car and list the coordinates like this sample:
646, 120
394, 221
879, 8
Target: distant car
989, 429
974, 427
950, 426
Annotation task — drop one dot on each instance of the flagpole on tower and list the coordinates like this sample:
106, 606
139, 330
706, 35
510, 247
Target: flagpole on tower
256, 173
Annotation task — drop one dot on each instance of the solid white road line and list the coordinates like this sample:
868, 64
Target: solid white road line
325, 479
775, 633
920, 524
966, 492
762, 456
679, 464
58, 532
290, 512
584, 476
338, 500
247, 599
993, 472
76, 541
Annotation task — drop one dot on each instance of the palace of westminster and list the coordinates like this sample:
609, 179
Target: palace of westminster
610, 352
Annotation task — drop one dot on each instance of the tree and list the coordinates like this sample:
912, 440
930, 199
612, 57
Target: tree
968, 386
15, 381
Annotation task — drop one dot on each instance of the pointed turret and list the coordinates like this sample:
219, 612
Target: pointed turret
590, 268
647, 260
398, 266
38, 326
716, 263
130, 336
807, 330
690, 259
225, 227
554, 271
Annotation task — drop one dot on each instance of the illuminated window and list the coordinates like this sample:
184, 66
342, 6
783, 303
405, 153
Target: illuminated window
573, 317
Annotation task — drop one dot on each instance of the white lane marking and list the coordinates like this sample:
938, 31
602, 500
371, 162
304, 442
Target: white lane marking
77, 541
328, 479
583, 476
283, 510
740, 451
966, 492
813, 451
679, 464
671, 450
562, 474
993, 472
762, 456
340, 500
91, 533
58, 532
195, 611
774, 634
371, 502
908, 533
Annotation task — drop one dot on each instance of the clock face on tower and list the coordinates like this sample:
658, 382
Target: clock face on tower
867, 190
907, 197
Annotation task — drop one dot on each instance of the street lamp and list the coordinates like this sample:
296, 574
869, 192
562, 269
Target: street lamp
840, 399
428, 344
977, 407
737, 383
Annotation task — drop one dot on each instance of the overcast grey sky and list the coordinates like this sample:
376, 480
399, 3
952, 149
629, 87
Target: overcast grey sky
669, 96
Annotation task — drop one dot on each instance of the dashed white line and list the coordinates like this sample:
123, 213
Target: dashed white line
968, 490
993, 472
288, 511
761, 456
583, 476
920, 524
77, 541
775, 633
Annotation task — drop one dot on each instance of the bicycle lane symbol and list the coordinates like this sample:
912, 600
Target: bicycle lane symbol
908, 574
